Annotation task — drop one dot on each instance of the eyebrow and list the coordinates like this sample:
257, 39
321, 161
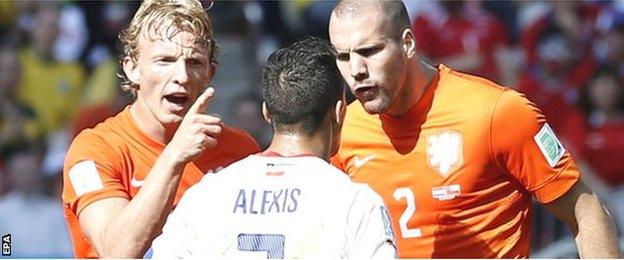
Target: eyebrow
368, 46
363, 45
361, 48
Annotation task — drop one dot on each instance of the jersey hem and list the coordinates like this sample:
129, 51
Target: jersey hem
556, 186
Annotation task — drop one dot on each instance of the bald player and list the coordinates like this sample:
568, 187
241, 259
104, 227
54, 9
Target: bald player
457, 158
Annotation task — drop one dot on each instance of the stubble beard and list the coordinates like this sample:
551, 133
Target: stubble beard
380, 104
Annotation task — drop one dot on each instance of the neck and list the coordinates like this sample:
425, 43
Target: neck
419, 76
149, 124
297, 144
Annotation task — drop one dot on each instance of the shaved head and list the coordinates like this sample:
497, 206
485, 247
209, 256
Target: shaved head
394, 12
375, 49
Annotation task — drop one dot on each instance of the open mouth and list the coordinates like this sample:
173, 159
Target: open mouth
366, 91
177, 99
363, 88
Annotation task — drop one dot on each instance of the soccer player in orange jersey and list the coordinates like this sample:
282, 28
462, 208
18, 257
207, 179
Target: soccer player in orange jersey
456, 158
122, 178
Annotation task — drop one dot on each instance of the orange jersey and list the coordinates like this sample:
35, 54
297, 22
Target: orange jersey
458, 171
114, 158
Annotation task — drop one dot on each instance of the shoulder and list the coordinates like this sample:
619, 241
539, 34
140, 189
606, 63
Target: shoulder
463, 94
516, 123
232, 145
242, 165
511, 101
478, 92
236, 140
104, 140
470, 83
108, 131
323, 169
245, 164
327, 173
366, 193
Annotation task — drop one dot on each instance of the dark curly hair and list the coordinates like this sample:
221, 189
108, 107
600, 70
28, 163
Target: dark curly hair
301, 83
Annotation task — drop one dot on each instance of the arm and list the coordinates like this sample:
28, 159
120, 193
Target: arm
178, 233
593, 228
530, 151
591, 179
118, 227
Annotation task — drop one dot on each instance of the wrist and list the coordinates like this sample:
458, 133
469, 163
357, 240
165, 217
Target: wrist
172, 159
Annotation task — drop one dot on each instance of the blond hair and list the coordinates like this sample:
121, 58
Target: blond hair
164, 18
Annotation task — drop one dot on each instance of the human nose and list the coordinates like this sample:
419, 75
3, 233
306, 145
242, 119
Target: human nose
181, 74
358, 67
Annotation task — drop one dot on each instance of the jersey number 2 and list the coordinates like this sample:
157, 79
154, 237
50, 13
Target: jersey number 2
406, 193
273, 244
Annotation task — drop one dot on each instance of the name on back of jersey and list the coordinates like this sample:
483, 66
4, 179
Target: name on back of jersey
257, 201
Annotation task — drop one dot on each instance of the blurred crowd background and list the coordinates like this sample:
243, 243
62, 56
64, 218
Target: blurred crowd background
59, 61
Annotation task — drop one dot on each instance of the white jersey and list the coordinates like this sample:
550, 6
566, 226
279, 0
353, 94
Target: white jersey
278, 207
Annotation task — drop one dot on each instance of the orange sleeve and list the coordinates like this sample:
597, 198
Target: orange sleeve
92, 172
524, 145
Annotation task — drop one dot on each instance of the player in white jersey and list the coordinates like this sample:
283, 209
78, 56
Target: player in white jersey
287, 202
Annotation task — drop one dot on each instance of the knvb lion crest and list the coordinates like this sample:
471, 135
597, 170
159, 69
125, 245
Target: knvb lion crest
444, 151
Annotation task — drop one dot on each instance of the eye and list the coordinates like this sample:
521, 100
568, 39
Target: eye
165, 60
342, 56
367, 52
196, 62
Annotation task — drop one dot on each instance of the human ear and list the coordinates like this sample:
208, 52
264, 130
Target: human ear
340, 110
212, 70
408, 42
265, 113
131, 69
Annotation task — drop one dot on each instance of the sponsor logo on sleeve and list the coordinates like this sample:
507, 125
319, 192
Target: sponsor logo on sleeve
85, 178
549, 145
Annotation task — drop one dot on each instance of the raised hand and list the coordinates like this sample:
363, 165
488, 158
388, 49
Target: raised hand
197, 131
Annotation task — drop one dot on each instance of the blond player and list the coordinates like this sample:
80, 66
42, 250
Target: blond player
122, 178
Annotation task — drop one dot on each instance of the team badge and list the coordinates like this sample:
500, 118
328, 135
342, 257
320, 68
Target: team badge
444, 151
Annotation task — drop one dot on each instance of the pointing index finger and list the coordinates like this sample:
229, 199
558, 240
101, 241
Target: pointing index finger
201, 103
